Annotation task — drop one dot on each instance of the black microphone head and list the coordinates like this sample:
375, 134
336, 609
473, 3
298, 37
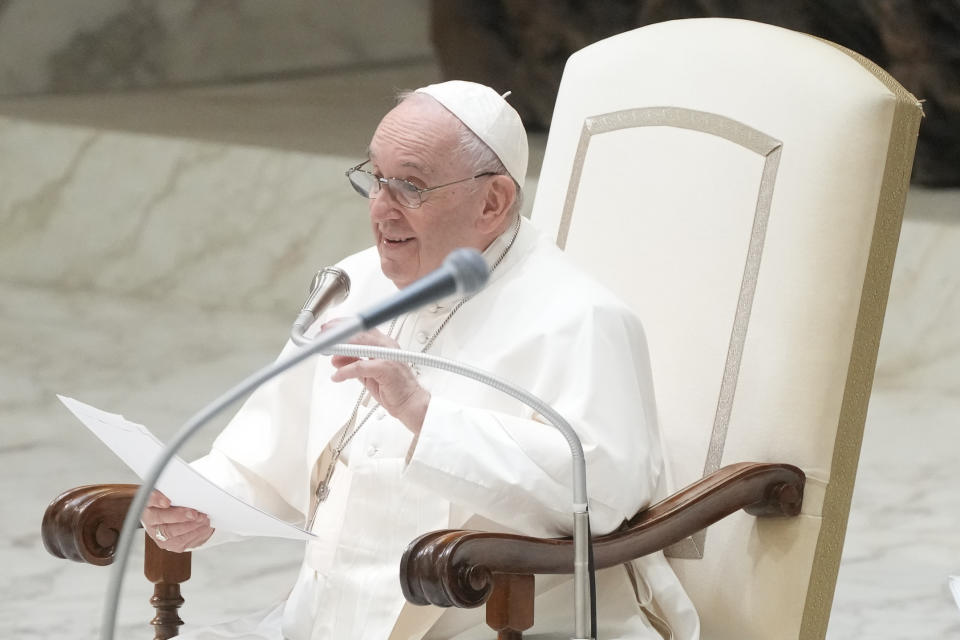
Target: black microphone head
469, 270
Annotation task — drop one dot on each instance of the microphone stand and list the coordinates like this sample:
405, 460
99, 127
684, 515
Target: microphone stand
329, 343
338, 333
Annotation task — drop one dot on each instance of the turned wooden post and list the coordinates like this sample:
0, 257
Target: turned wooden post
166, 570
510, 607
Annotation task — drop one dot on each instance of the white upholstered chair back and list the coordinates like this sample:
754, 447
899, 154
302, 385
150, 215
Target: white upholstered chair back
741, 186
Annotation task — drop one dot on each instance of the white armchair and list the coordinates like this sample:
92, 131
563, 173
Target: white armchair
742, 187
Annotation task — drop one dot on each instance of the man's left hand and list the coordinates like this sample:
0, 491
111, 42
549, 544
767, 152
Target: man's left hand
392, 384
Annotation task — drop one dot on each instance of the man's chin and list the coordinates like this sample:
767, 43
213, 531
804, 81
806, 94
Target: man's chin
395, 273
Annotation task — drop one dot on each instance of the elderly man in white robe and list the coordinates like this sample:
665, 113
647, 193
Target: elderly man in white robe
371, 454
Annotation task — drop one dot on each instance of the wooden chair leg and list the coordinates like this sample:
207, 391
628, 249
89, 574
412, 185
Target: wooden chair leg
166, 570
510, 607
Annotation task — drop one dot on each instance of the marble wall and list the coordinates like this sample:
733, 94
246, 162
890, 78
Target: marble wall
93, 45
211, 201
200, 222
921, 346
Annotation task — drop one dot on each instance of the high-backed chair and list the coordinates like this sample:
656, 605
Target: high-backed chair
741, 186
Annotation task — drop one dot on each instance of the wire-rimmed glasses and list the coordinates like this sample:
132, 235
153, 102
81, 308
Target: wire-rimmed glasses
406, 193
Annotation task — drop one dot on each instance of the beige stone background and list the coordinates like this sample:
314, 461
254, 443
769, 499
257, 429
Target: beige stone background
171, 175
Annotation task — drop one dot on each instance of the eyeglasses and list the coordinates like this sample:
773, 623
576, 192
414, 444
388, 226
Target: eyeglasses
406, 193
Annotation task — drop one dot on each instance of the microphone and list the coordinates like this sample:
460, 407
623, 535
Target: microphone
330, 287
464, 271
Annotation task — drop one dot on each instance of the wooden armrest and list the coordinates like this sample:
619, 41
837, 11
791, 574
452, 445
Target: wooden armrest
456, 568
83, 524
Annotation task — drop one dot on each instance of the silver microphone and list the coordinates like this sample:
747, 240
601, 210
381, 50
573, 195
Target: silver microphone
330, 287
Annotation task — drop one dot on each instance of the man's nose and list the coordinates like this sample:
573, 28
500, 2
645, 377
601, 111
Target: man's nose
384, 205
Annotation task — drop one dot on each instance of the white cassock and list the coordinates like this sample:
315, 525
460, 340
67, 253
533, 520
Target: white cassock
482, 460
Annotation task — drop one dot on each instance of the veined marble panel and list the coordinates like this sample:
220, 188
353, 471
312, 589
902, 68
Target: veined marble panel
171, 219
52, 46
157, 362
160, 218
902, 541
921, 335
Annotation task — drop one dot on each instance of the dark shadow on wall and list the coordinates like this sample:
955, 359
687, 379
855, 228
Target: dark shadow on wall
524, 43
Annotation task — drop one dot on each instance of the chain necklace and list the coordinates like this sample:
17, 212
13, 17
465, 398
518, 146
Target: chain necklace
346, 434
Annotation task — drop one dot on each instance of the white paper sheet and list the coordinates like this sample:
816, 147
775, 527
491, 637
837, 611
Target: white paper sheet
138, 448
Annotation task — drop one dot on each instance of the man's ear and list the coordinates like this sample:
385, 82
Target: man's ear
501, 194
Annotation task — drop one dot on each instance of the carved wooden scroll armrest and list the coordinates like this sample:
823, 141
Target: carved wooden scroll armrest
459, 568
84, 523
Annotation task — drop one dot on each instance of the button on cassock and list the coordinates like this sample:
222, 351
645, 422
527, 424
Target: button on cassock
422, 337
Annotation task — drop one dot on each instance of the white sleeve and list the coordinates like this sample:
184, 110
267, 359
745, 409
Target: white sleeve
517, 470
252, 458
245, 486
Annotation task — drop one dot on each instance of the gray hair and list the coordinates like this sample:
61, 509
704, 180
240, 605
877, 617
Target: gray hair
478, 157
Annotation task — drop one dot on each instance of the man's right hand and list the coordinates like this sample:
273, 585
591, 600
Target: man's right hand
176, 529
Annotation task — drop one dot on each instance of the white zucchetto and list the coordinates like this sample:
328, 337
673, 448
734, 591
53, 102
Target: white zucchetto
490, 117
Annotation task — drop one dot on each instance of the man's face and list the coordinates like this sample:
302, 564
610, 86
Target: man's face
416, 142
